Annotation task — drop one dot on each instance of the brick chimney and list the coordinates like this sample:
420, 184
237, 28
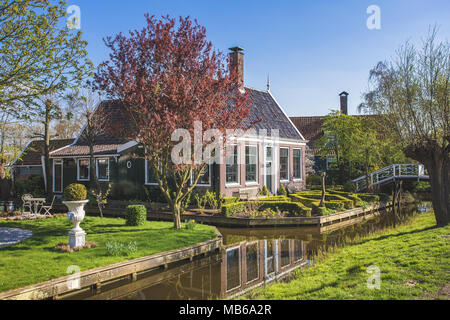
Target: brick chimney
237, 63
344, 102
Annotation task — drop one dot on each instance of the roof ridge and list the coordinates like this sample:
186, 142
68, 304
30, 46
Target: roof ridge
260, 90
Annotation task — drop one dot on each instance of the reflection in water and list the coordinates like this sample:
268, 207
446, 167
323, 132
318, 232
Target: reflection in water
250, 257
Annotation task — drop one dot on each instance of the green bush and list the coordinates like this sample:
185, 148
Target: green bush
306, 201
323, 211
313, 179
274, 198
136, 215
421, 186
228, 200
265, 191
349, 187
231, 209
282, 191
369, 197
352, 196
75, 192
335, 205
293, 208
34, 186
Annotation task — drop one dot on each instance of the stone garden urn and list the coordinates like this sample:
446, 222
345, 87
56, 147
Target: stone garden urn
77, 236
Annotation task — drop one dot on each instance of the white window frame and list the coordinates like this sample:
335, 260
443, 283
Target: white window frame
289, 252
238, 183
61, 162
238, 247
257, 259
301, 248
252, 183
301, 165
78, 169
203, 184
96, 169
288, 164
147, 183
271, 275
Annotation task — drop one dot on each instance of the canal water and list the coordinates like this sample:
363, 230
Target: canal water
250, 258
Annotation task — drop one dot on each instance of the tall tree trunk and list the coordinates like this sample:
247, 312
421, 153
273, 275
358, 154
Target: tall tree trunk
176, 209
5, 191
436, 160
48, 179
94, 180
438, 170
322, 201
366, 169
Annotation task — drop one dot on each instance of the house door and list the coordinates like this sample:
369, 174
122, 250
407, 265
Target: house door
268, 181
57, 176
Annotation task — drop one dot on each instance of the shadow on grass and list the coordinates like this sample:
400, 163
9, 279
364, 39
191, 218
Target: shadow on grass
387, 236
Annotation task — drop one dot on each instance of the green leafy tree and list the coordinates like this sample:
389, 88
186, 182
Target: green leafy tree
411, 95
337, 141
40, 59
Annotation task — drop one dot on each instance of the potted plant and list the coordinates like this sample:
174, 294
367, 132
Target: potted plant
75, 199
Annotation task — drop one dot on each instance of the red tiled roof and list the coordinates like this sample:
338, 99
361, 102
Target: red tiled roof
310, 127
264, 108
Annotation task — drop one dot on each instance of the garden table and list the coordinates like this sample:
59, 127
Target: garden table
35, 203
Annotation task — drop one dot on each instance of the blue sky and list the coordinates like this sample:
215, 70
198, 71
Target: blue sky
312, 50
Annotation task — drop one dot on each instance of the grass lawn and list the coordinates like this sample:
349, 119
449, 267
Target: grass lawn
414, 262
36, 260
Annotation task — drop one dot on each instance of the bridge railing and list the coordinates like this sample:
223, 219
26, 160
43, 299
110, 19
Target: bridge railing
386, 174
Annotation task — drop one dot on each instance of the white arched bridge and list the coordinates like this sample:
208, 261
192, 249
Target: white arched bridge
392, 173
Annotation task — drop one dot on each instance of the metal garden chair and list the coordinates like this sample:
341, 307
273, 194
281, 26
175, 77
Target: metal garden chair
27, 203
47, 208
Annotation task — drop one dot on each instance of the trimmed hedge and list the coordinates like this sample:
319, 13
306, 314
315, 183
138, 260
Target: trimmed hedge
348, 203
274, 198
75, 192
228, 200
294, 209
352, 196
304, 200
136, 215
231, 209
321, 211
369, 197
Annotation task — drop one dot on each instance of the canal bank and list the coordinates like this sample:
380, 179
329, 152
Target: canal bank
37, 263
412, 261
249, 258
215, 218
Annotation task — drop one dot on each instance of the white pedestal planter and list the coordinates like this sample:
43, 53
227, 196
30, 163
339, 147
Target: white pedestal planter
77, 236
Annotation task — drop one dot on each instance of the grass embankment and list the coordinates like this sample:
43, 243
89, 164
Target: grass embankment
36, 259
414, 262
